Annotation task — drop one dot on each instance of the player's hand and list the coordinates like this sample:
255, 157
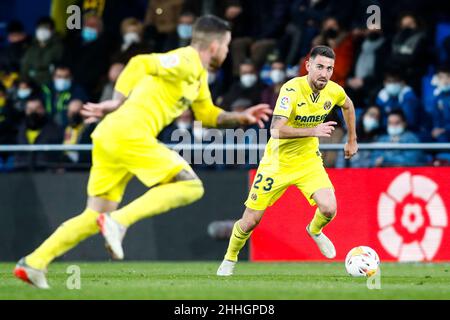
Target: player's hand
324, 129
256, 114
94, 112
350, 149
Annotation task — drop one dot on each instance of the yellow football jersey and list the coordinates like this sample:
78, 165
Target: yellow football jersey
304, 109
160, 87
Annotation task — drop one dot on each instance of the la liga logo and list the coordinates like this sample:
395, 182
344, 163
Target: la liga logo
412, 218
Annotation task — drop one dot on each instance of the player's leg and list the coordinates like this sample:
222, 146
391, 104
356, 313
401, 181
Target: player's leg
183, 189
33, 267
268, 186
106, 186
316, 186
242, 230
172, 184
325, 212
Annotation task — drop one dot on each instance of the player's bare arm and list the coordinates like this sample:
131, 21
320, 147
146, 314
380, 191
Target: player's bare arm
279, 129
94, 112
253, 115
351, 146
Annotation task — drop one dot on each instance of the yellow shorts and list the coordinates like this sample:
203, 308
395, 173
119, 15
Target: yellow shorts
272, 181
116, 161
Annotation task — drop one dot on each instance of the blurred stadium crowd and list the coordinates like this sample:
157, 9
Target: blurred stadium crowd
398, 76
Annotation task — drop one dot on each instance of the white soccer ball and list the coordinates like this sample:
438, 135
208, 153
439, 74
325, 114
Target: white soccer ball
362, 261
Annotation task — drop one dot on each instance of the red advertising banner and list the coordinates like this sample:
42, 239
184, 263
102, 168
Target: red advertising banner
402, 213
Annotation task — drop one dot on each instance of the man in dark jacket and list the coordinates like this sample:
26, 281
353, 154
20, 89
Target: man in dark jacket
43, 53
60, 92
37, 128
88, 55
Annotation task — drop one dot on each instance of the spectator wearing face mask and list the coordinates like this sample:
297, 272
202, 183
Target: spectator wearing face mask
366, 75
132, 41
368, 130
113, 74
88, 55
77, 132
397, 132
45, 50
278, 78
182, 36
23, 89
60, 92
409, 49
396, 94
248, 86
37, 128
334, 36
441, 110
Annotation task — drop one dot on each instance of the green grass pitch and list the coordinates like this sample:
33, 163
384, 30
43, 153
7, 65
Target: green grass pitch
197, 280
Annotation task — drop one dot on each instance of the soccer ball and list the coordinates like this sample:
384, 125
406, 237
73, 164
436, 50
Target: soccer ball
362, 261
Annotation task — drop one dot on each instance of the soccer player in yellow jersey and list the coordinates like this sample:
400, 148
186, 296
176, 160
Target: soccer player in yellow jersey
151, 92
292, 154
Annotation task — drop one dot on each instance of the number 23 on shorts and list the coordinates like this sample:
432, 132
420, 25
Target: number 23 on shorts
267, 182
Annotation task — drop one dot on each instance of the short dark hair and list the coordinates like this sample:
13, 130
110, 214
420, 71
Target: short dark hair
394, 72
62, 66
443, 68
46, 21
15, 26
207, 27
398, 112
324, 51
36, 97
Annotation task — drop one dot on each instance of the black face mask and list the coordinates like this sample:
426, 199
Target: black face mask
331, 33
75, 120
373, 36
407, 32
35, 121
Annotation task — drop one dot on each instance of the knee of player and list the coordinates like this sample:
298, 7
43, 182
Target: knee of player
328, 209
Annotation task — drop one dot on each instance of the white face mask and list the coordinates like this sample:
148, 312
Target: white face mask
248, 80
395, 130
277, 76
23, 93
370, 123
393, 89
131, 37
43, 34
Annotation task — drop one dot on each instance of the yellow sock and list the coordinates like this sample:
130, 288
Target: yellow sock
69, 234
237, 241
318, 222
159, 199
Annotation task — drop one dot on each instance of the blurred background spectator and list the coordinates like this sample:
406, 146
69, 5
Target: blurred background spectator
60, 92
368, 129
113, 74
37, 128
247, 86
45, 50
396, 94
397, 132
87, 53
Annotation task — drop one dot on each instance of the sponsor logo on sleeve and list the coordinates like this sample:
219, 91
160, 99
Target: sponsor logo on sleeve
284, 103
169, 60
